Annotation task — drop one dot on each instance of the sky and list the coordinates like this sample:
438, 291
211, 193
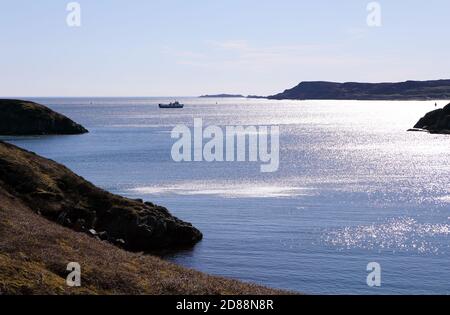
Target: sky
195, 47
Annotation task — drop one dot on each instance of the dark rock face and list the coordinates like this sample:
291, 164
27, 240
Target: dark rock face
437, 121
27, 118
55, 192
409, 90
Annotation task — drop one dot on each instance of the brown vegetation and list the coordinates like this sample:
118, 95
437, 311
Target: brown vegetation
58, 194
34, 251
19, 117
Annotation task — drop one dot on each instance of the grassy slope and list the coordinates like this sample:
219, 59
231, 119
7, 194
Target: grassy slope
18, 117
58, 194
34, 253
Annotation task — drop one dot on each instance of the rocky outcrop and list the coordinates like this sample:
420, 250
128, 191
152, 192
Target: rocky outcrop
409, 90
35, 252
53, 191
28, 118
437, 121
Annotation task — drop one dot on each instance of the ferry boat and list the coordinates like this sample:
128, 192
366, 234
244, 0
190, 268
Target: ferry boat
171, 105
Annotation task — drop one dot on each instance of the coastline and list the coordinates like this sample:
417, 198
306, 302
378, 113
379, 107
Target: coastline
46, 247
51, 217
183, 205
34, 253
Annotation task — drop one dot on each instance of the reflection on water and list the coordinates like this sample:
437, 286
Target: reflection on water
222, 189
400, 234
353, 187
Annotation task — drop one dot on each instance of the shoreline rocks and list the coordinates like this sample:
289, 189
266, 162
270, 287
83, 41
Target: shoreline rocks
53, 191
21, 118
437, 121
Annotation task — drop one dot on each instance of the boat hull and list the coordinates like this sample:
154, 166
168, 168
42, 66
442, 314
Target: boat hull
170, 106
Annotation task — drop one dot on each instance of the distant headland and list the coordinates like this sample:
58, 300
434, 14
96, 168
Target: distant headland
389, 91
20, 117
230, 96
409, 90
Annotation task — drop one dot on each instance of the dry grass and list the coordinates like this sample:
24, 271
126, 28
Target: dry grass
34, 253
58, 194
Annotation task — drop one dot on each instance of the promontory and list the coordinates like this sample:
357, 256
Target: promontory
18, 117
437, 121
409, 90
50, 217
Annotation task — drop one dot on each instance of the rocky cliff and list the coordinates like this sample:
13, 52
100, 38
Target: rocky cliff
409, 90
35, 252
28, 118
53, 191
437, 121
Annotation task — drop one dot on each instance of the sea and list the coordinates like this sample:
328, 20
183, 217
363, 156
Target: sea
353, 188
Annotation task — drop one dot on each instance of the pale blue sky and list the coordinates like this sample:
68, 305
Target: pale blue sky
192, 47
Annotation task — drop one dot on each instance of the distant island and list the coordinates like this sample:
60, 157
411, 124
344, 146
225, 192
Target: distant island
409, 90
223, 96
231, 96
256, 96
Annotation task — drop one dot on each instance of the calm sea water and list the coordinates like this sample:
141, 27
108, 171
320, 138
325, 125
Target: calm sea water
353, 187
